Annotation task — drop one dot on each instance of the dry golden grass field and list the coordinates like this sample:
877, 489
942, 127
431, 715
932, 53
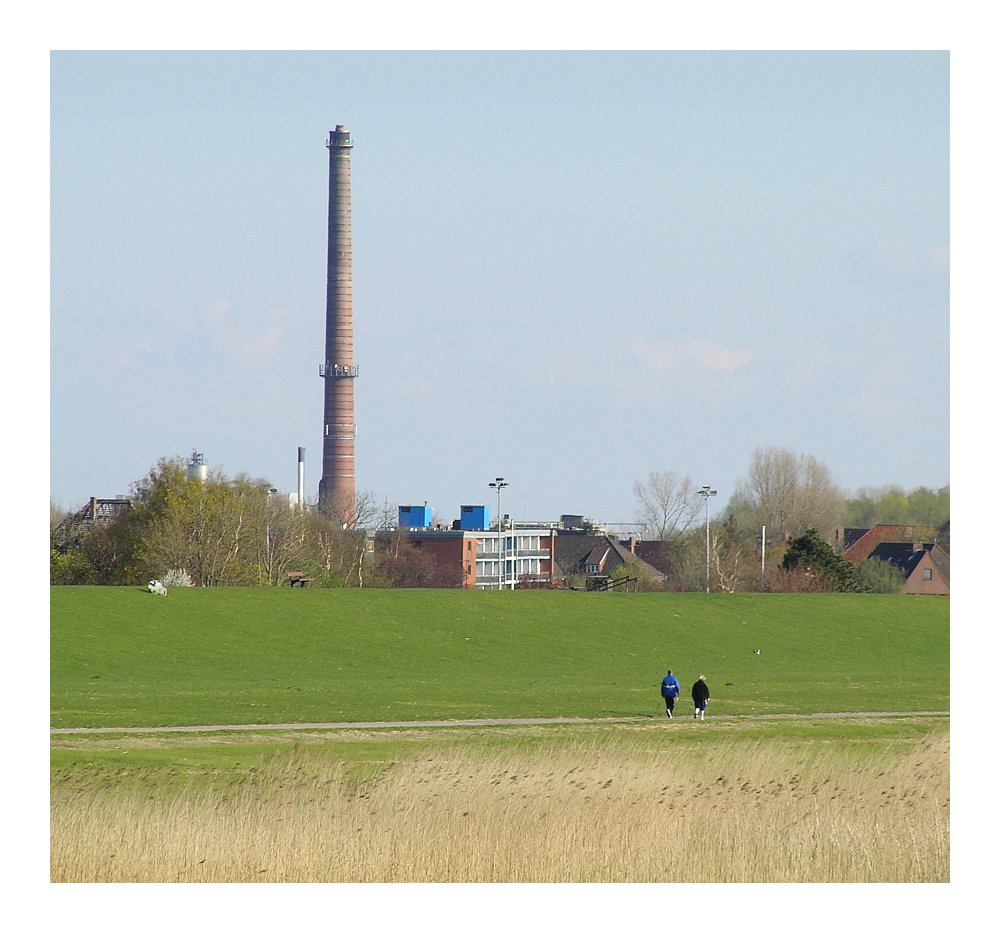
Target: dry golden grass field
632, 804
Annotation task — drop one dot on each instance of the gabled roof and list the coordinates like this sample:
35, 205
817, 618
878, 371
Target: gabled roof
654, 552
938, 556
595, 557
898, 554
943, 560
575, 552
851, 535
865, 545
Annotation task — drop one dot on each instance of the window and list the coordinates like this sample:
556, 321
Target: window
928, 574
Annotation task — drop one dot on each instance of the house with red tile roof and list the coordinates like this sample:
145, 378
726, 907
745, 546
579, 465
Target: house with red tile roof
861, 543
926, 564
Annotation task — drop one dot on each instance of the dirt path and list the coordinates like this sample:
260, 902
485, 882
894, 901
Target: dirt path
439, 723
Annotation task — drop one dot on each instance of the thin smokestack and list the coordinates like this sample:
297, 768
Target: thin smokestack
336, 487
302, 478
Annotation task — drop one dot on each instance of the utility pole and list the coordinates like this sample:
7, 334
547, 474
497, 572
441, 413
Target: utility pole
499, 484
763, 548
707, 491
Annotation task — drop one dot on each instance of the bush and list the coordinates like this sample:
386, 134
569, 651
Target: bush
881, 576
69, 569
176, 578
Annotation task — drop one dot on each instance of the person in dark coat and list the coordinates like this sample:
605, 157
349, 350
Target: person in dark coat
700, 694
670, 689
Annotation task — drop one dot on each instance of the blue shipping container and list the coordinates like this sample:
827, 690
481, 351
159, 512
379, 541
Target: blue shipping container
414, 516
474, 518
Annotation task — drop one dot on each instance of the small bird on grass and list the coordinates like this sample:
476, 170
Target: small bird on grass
756, 650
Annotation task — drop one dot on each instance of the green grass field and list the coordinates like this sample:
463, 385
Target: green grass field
122, 657
789, 799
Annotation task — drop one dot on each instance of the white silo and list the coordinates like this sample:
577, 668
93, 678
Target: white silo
196, 467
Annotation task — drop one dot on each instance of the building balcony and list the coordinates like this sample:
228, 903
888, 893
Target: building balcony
336, 371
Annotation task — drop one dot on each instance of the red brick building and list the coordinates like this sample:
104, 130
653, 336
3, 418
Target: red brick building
481, 559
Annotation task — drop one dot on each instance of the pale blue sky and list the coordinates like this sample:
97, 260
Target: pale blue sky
570, 269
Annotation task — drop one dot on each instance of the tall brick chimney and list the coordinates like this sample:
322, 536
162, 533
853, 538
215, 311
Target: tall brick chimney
336, 486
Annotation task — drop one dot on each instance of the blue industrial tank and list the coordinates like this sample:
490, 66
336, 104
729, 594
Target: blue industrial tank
414, 516
474, 518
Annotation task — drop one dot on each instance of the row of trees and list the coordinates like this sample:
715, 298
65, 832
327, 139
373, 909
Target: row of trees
229, 532
890, 505
786, 493
805, 564
785, 497
216, 532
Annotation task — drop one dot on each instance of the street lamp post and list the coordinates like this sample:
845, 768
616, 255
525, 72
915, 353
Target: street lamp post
499, 484
707, 491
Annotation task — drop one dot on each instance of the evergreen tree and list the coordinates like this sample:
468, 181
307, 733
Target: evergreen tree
811, 553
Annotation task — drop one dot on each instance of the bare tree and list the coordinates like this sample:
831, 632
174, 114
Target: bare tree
667, 505
334, 551
819, 502
386, 516
788, 493
366, 509
726, 553
59, 520
282, 540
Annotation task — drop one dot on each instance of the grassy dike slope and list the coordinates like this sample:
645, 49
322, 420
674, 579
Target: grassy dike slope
122, 657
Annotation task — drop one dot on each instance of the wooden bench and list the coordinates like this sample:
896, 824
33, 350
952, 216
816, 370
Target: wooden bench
298, 578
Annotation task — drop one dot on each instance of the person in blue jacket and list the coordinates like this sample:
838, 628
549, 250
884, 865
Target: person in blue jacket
670, 689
